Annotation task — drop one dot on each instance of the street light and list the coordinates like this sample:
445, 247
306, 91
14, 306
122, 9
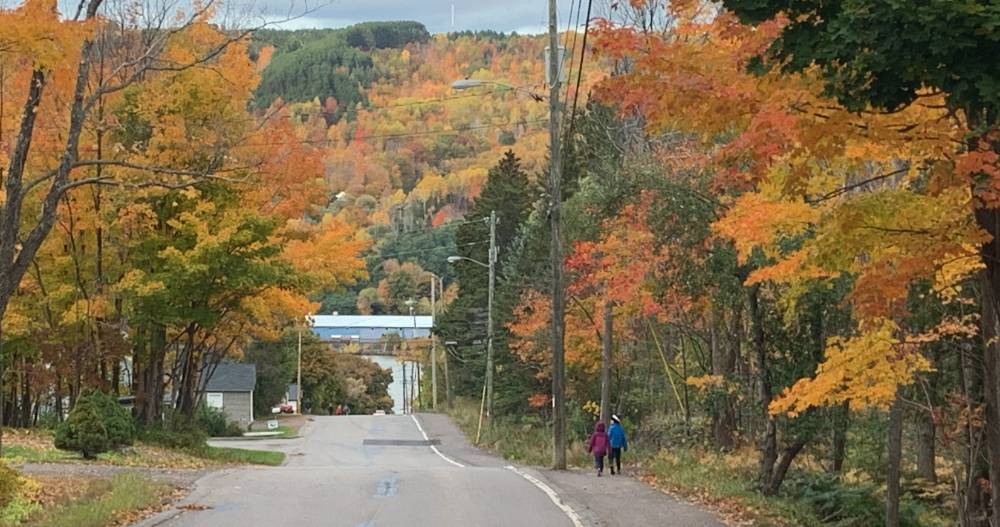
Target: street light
489, 309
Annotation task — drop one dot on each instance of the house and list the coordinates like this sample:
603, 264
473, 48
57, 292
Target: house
370, 328
292, 397
230, 388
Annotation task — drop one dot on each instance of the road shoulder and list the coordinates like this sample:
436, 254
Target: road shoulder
607, 501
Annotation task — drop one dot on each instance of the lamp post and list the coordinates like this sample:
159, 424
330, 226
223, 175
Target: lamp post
411, 303
434, 378
489, 309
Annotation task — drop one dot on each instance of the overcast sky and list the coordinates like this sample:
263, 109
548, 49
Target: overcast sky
523, 16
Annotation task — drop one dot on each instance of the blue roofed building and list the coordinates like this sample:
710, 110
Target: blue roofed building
370, 329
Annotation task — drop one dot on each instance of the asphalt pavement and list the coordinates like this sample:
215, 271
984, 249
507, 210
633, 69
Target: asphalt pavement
367, 471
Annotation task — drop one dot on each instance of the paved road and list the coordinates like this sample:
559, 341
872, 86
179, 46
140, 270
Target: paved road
332, 478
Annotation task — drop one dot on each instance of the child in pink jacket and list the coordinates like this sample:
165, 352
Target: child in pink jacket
598, 445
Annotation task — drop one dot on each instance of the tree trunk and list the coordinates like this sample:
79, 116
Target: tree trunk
606, 343
894, 459
784, 463
768, 441
148, 374
186, 396
926, 452
990, 279
841, 423
723, 416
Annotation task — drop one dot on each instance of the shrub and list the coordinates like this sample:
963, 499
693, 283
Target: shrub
211, 420
10, 485
179, 433
233, 429
119, 424
84, 430
214, 422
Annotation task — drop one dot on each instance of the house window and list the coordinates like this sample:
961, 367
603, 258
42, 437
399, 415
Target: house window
213, 400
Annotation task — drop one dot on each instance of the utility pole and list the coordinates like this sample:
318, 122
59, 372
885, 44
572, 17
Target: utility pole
298, 378
606, 364
434, 369
558, 300
404, 387
489, 316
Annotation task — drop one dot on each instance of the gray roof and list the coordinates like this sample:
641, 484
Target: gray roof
232, 377
372, 321
293, 392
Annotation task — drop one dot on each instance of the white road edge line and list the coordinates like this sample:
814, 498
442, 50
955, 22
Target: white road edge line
573, 516
433, 447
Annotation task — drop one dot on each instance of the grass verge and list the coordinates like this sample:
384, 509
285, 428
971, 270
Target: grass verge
35, 446
241, 456
724, 482
522, 441
106, 503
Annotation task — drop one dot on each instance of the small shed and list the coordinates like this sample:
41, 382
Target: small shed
230, 388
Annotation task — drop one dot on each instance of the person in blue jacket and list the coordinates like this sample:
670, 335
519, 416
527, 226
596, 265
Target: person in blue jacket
616, 435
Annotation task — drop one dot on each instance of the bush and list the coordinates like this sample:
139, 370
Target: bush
211, 420
119, 424
839, 503
84, 430
96, 424
10, 485
179, 434
214, 422
233, 429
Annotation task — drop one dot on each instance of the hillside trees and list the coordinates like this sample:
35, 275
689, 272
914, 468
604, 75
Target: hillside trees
958, 35
145, 247
817, 194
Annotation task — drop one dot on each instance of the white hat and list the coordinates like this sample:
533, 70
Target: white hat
615, 418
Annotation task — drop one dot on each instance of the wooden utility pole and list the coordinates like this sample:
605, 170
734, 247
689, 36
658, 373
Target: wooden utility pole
404, 387
489, 316
558, 299
434, 369
606, 364
298, 379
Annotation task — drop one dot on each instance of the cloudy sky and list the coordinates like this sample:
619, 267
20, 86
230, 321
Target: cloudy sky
523, 16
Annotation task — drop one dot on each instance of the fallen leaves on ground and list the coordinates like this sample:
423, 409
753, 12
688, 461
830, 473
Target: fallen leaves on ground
133, 516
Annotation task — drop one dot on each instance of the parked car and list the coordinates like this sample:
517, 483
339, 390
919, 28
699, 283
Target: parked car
379, 412
287, 408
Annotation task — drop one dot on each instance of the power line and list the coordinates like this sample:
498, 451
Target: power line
399, 135
579, 75
572, 48
456, 223
429, 249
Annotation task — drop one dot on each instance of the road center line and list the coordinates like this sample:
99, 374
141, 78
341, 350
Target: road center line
573, 516
434, 448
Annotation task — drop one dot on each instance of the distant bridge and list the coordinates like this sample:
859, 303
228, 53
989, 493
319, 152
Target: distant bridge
368, 330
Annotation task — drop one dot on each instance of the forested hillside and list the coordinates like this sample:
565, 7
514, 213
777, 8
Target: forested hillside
405, 154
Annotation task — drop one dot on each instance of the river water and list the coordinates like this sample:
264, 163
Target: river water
396, 388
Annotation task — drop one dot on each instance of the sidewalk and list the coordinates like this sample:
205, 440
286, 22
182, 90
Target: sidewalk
607, 501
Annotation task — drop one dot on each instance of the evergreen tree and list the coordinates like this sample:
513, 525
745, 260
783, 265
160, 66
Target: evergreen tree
510, 193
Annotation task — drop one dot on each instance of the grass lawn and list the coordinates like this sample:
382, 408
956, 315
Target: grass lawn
227, 455
103, 502
35, 446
